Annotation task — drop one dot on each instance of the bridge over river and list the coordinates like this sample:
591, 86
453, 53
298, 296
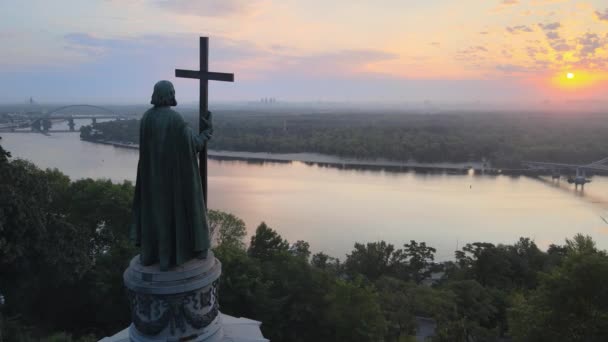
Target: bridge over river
580, 170
43, 122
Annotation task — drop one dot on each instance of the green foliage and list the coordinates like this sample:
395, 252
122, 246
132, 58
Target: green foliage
245, 291
4, 155
290, 296
267, 243
38, 245
471, 315
64, 246
373, 260
420, 262
580, 244
354, 313
571, 303
505, 139
226, 229
398, 302
11, 332
501, 266
117, 131
300, 249
326, 263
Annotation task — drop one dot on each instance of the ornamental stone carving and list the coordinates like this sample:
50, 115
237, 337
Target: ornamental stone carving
179, 305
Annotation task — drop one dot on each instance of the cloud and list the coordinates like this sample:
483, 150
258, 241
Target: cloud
510, 2
554, 39
534, 50
552, 35
242, 57
343, 63
519, 28
512, 68
129, 66
473, 56
561, 45
550, 26
209, 8
176, 44
590, 42
602, 16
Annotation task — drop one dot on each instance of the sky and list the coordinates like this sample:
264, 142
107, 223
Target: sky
504, 51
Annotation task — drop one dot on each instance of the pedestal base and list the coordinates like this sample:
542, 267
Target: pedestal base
214, 333
178, 305
232, 330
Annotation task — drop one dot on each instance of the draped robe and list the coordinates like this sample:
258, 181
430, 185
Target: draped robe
170, 218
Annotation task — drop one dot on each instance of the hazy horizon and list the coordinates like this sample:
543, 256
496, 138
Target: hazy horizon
301, 107
494, 51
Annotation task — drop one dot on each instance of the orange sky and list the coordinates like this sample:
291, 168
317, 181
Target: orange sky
277, 43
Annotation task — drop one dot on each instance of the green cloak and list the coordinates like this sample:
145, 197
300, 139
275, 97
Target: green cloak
169, 213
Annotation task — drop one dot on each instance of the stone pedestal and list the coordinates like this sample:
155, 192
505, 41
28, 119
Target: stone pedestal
181, 305
178, 305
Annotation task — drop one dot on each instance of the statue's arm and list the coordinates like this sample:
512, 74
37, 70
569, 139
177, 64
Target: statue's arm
200, 140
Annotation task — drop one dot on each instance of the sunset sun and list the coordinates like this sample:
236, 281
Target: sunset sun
570, 75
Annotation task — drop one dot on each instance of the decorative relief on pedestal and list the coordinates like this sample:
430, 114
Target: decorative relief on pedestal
176, 305
151, 314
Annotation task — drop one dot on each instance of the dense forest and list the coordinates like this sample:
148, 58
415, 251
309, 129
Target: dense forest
503, 139
64, 246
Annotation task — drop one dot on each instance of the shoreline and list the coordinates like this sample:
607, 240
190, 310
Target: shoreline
328, 160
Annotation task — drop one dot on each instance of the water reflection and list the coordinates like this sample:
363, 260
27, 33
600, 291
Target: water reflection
334, 207
250, 161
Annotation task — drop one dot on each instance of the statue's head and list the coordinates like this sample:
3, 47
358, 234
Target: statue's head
164, 94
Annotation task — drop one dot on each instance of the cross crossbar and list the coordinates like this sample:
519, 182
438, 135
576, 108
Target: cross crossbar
208, 75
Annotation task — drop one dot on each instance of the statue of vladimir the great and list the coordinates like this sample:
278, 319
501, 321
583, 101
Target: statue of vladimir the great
170, 218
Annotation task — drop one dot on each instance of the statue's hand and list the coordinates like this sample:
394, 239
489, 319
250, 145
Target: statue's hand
207, 134
206, 121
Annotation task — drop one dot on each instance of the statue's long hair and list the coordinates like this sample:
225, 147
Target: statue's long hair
164, 94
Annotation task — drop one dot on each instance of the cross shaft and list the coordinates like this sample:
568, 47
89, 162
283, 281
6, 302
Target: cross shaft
204, 76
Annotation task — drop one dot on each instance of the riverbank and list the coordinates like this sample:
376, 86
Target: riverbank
326, 160
333, 207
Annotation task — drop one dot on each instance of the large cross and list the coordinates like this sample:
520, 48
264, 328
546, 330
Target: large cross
204, 76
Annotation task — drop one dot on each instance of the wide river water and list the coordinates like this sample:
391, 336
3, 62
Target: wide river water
333, 208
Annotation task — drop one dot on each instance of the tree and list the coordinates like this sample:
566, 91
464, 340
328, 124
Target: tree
266, 243
571, 302
555, 255
325, 262
4, 155
398, 302
300, 249
420, 260
354, 313
470, 316
486, 263
226, 229
45, 253
526, 261
581, 244
244, 289
373, 260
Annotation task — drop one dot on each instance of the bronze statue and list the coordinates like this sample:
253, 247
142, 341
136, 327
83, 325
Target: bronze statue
168, 207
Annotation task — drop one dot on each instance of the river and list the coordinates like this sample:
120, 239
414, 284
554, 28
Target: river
333, 208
